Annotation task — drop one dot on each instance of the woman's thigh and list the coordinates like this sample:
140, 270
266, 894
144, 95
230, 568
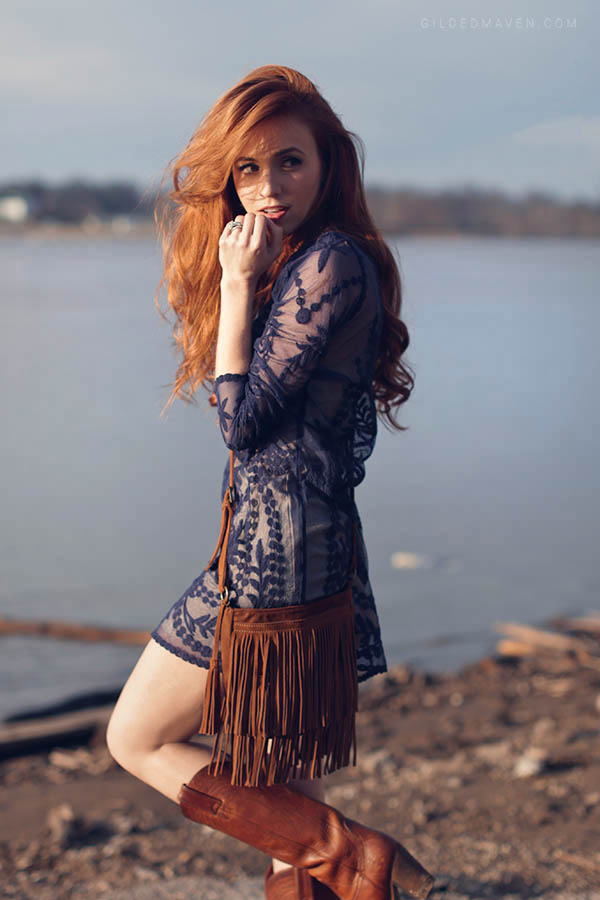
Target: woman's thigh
162, 701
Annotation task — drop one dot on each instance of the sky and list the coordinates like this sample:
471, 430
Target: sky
494, 95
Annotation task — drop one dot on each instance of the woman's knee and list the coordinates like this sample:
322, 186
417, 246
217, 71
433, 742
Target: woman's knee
126, 737
161, 702
119, 742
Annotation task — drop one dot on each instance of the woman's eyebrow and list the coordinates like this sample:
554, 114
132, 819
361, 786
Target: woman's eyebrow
278, 153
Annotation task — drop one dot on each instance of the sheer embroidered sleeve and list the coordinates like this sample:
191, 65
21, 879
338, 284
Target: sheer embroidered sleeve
325, 290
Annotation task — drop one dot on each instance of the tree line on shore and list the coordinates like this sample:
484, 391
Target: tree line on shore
466, 210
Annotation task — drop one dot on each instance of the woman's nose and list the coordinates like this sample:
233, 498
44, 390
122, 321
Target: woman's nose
269, 184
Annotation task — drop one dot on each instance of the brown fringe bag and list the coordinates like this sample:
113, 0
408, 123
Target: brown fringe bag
290, 680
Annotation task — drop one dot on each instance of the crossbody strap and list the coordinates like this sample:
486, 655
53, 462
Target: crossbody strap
223, 541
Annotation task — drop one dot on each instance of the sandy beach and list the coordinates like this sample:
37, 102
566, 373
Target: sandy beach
490, 775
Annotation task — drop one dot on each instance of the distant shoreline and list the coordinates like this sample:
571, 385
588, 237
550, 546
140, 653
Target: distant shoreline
147, 229
86, 208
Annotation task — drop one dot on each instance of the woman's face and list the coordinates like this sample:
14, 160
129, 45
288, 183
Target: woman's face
278, 166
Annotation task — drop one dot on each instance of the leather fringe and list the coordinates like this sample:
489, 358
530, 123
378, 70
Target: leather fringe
291, 694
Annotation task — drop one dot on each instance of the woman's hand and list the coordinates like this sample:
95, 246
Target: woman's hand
246, 252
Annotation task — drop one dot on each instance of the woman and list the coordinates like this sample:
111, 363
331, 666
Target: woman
288, 303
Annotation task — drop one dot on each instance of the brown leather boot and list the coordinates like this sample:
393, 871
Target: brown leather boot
295, 884
355, 862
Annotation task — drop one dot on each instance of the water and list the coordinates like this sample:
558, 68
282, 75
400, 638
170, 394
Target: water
109, 512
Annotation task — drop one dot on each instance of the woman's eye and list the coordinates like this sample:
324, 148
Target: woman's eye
288, 159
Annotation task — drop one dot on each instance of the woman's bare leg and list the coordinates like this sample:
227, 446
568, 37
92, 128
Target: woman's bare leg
158, 711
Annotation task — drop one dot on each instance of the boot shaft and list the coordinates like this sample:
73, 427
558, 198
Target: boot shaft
356, 862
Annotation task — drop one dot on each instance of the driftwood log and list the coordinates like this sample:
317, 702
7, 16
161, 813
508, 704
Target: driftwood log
525, 640
73, 631
539, 637
584, 624
48, 731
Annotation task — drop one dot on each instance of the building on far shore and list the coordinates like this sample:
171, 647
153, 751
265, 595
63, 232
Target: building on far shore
14, 208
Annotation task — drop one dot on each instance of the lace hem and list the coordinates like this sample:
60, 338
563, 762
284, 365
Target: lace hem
373, 670
178, 651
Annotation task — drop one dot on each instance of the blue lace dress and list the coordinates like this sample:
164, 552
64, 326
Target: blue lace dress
302, 423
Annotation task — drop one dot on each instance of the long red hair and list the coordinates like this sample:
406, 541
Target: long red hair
203, 199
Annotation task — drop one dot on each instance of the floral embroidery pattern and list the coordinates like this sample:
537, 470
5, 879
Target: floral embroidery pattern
302, 424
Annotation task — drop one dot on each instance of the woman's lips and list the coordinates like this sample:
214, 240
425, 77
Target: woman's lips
275, 214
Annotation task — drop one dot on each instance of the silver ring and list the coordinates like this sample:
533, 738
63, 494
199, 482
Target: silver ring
233, 225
